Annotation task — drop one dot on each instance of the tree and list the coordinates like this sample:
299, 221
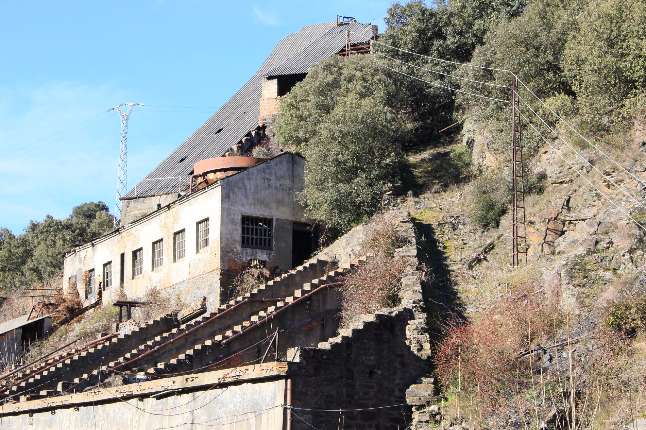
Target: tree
340, 120
37, 255
605, 59
450, 31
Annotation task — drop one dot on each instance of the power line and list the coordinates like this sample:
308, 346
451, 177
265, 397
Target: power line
450, 75
558, 136
523, 84
642, 183
457, 63
611, 201
444, 86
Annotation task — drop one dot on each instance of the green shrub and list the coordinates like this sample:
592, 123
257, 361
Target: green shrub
489, 200
353, 148
604, 59
628, 316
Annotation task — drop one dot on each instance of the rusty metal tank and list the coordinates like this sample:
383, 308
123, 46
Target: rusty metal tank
210, 170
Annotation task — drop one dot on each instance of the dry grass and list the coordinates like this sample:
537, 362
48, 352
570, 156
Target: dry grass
252, 276
376, 283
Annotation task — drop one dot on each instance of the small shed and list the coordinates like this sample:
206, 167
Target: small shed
17, 334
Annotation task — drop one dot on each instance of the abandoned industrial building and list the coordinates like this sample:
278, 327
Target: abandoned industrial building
187, 246
275, 357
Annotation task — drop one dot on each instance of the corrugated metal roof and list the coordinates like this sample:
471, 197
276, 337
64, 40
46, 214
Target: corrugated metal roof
294, 54
18, 322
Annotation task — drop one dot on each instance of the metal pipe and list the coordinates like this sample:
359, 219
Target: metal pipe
288, 404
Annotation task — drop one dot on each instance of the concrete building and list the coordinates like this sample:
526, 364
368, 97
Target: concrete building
188, 246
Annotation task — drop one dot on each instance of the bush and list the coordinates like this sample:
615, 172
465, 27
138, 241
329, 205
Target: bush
484, 357
489, 200
628, 316
604, 59
252, 276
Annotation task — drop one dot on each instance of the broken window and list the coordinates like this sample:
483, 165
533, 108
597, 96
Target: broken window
257, 233
158, 254
89, 283
107, 275
179, 245
202, 234
137, 262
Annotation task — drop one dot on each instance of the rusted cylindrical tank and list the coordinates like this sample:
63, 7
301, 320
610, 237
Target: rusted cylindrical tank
210, 170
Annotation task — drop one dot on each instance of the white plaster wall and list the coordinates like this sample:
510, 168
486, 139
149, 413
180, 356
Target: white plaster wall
194, 276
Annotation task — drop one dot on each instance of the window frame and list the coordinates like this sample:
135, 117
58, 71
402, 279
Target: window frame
253, 236
176, 249
107, 275
157, 255
198, 241
90, 283
136, 273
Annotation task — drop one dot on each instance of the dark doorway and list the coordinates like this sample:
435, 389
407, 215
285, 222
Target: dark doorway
302, 243
122, 269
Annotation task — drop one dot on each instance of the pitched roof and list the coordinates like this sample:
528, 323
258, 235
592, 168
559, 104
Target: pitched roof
294, 54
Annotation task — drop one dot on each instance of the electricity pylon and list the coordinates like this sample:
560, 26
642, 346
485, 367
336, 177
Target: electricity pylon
124, 110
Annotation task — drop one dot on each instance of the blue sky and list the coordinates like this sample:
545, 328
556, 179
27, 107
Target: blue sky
64, 63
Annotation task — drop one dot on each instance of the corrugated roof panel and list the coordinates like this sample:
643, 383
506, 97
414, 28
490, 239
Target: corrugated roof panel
295, 53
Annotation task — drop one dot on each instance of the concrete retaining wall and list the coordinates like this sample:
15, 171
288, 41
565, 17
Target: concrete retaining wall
249, 398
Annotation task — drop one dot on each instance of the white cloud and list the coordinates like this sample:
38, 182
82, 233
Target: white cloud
265, 17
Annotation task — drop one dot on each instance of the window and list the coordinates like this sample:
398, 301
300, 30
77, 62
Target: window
202, 231
71, 282
137, 262
257, 232
158, 254
89, 283
122, 269
107, 275
179, 245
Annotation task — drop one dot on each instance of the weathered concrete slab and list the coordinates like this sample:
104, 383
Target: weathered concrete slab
249, 397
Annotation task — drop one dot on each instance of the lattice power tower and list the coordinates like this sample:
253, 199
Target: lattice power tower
124, 110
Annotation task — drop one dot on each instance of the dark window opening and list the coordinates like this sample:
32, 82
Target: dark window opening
182, 159
122, 269
287, 82
219, 130
257, 233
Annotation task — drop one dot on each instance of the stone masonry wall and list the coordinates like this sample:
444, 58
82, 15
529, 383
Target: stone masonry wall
367, 370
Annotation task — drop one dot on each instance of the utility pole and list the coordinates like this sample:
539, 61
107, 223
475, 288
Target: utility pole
124, 110
519, 228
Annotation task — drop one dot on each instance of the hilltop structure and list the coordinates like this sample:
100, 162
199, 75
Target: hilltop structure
209, 207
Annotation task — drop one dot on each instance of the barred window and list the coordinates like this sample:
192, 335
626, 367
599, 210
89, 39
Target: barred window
179, 245
137, 262
107, 275
257, 233
158, 254
202, 231
89, 283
